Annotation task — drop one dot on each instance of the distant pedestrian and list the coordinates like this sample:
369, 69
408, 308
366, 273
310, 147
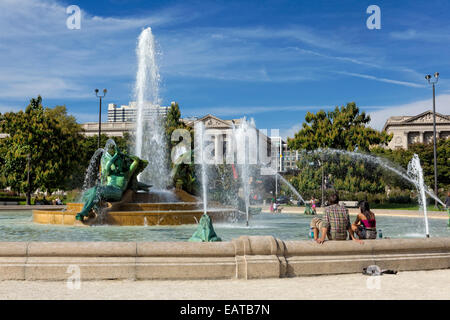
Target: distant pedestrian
447, 200
313, 204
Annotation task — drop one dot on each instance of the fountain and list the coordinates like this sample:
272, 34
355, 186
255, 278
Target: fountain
109, 198
244, 139
416, 173
149, 135
205, 231
384, 163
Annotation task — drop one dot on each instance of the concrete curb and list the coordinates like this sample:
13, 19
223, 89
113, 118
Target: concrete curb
253, 257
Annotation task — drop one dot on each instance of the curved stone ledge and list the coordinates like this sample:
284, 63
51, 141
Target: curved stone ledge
242, 258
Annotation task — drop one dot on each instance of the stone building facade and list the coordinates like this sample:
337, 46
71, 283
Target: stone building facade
408, 130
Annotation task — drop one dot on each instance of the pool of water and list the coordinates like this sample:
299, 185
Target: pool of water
18, 226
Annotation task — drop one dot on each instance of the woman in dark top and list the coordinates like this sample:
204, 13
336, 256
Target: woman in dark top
365, 225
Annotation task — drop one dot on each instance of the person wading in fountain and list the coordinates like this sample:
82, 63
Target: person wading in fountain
336, 224
118, 173
365, 225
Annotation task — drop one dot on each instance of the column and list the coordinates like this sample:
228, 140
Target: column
405, 141
218, 148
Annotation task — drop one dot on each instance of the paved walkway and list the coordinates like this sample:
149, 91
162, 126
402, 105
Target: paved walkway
405, 285
34, 207
378, 212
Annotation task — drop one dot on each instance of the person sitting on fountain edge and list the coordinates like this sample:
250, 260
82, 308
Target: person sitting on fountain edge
336, 224
365, 224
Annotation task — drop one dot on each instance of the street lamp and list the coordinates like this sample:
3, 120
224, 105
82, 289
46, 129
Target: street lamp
100, 114
322, 204
433, 83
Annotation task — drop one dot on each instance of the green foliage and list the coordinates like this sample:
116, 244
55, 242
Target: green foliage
224, 188
425, 153
49, 137
340, 172
180, 172
59, 153
344, 128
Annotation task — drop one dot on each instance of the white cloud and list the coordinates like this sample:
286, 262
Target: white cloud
430, 35
382, 113
393, 81
250, 110
39, 55
285, 133
404, 35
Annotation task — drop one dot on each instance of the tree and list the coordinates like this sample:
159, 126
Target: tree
38, 144
344, 128
184, 172
425, 153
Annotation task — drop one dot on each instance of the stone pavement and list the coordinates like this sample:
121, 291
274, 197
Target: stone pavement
405, 285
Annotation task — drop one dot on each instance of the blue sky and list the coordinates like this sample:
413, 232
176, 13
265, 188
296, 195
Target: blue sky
270, 60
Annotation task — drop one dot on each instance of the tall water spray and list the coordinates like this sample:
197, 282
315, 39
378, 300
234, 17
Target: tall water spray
290, 186
150, 137
245, 139
201, 157
416, 173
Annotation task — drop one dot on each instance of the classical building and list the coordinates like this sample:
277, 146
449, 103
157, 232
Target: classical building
220, 132
408, 130
111, 129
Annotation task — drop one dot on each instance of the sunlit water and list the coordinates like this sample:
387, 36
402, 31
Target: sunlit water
18, 226
150, 136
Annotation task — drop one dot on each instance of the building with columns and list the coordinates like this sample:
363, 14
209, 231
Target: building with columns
408, 130
220, 132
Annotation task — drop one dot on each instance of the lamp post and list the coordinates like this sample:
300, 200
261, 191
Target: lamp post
433, 83
28, 179
321, 185
100, 114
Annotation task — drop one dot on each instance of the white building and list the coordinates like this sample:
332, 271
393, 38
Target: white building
127, 113
408, 130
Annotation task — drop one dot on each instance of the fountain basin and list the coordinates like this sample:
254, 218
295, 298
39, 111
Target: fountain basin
245, 257
137, 214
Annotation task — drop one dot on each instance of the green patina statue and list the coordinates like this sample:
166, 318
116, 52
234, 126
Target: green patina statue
117, 174
205, 231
